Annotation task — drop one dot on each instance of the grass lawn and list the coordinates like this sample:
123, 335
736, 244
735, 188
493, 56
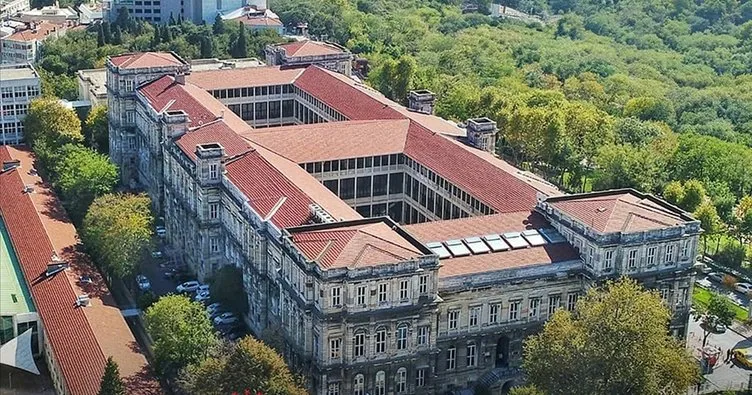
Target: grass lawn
701, 297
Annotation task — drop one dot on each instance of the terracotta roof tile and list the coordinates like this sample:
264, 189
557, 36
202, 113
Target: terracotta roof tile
258, 21
146, 59
243, 77
165, 94
215, 132
503, 260
619, 211
352, 246
309, 48
41, 32
461, 228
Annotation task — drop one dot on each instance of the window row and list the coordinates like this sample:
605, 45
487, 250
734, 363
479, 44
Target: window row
379, 386
319, 105
30, 91
353, 163
366, 186
252, 91
471, 356
431, 201
365, 294
362, 339
264, 110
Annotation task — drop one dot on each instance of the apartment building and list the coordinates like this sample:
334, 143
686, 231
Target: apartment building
9, 8
19, 85
23, 46
392, 251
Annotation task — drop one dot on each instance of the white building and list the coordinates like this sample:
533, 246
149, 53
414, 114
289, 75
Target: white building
52, 14
90, 13
9, 8
23, 45
19, 85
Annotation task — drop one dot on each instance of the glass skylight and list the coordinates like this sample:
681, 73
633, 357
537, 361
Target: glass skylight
533, 237
477, 246
496, 243
515, 240
439, 250
457, 248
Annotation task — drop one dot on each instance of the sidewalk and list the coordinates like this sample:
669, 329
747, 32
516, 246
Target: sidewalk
742, 329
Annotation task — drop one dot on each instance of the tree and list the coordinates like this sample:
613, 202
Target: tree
181, 331
251, 366
526, 390
694, 195
206, 47
100, 36
117, 230
50, 122
156, 39
81, 175
226, 287
673, 192
649, 109
96, 129
570, 25
107, 32
719, 311
615, 342
219, 25
117, 35
123, 19
240, 46
709, 221
112, 383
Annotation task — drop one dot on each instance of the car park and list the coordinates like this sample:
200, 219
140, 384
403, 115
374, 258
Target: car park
744, 288
716, 276
161, 231
202, 296
225, 319
156, 254
188, 286
143, 282
213, 308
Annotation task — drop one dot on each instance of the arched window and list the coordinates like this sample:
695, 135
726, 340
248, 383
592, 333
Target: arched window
402, 337
381, 340
359, 385
380, 387
359, 344
401, 380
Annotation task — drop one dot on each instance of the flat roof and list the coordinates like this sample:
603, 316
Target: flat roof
17, 72
40, 228
14, 295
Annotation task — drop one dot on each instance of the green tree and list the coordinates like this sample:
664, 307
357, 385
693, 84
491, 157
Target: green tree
206, 47
623, 166
107, 32
709, 221
219, 25
156, 39
570, 25
117, 230
166, 34
96, 129
100, 36
226, 287
526, 390
51, 123
117, 35
81, 175
112, 383
181, 332
694, 195
240, 46
250, 364
615, 342
719, 311
649, 109
673, 192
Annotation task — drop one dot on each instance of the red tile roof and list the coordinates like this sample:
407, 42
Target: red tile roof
165, 94
503, 260
258, 21
42, 30
343, 97
619, 211
146, 59
483, 225
80, 338
354, 246
309, 48
215, 132
243, 77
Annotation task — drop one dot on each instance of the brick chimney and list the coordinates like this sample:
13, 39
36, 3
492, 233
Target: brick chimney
481, 133
421, 100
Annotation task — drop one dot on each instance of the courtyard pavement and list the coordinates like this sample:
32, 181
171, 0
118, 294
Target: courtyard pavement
725, 376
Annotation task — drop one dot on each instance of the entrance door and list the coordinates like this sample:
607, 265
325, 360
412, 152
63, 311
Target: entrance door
502, 352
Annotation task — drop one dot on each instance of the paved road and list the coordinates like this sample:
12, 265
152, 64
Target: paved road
154, 270
736, 297
725, 376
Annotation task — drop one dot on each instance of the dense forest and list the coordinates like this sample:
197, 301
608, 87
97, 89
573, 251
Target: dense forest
650, 94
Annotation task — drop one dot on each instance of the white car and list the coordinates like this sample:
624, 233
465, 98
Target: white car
213, 308
744, 288
202, 296
143, 282
161, 231
188, 286
202, 288
156, 254
225, 319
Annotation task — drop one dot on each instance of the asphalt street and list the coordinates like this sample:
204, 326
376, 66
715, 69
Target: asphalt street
725, 376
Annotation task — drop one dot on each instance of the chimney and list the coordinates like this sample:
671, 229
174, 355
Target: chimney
481, 133
422, 101
180, 78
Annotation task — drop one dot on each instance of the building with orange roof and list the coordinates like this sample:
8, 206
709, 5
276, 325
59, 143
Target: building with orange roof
23, 45
80, 325
392, 250
307, 52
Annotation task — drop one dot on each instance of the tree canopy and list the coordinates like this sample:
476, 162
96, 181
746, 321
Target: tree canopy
614, 342
50, 123
112, 383
96, 130
181, 332
719, 311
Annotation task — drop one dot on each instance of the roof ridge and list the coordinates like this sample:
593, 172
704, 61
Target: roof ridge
362, 230
368, 246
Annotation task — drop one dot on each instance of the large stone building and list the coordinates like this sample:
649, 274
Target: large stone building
391, 253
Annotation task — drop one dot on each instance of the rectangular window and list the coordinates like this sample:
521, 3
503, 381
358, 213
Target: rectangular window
213, 244
451, 358
572, 301
423, 335
553, 303
632, 260
334, 349
213, 171
664, 294
359, 344
514, 310
404, 291
336, 296
423, 284
420, 377
493, 313
380, 184
363, 187
381, 340
453, 318
669, 254
534, 307
651, 256
590, 256
213, 210
608, 262
360, 295
471, 357
333, 389
383, 296
402, 337
685, 249
401, 380
472, 320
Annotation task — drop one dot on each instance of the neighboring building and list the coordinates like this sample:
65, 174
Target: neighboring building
307, 52
90, 13
51, 14
390, 250
147, 10
9, 8
256, 20
91, 86
81, 324
19, 85
23, 46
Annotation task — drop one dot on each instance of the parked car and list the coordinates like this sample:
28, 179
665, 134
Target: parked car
744, 288
143, 282
202, 296
188, 286
156, 254
702, 268
213, 308
161, 231
225, 319
716, 276
716, 328
202, 288
225, 330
